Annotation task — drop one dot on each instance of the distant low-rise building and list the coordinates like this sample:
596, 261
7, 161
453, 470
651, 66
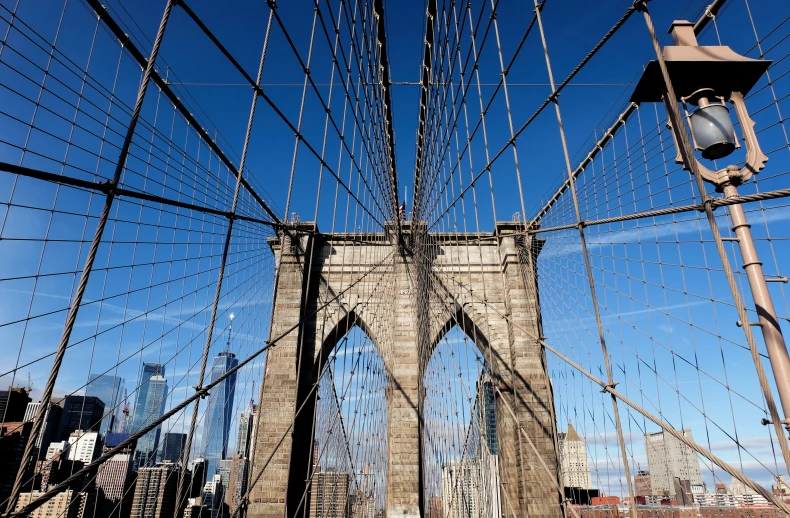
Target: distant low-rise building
672, 511
781, 488
113, 478
66, 504
642, 484
83, 446
329, 494
155, 492
669, 459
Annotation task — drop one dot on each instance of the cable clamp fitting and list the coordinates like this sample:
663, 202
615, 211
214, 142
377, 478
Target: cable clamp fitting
609, 387
766, 422
740, 323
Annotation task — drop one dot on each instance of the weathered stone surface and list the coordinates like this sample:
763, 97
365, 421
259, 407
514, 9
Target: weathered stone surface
408, 299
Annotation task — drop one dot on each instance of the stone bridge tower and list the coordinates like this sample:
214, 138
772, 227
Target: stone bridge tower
483, 283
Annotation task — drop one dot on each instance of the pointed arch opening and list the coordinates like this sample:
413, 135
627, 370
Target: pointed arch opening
468, 322
460, 460
347, 323
348, 452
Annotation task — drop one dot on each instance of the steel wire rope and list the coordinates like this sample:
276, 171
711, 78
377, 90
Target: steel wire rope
155, 340
427, 83
278, 111
55, 198
302, 406
221, 272
684, 149
201, 393
38, 421
556, 92
667, 428
125, 107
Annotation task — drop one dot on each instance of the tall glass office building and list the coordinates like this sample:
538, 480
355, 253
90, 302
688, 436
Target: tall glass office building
109, 389
219, 413
149, 405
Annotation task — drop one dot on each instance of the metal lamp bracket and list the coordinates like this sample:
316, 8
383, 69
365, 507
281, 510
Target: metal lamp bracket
755, 158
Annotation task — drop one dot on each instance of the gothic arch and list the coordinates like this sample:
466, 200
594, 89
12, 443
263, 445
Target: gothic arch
470, 325
338, 332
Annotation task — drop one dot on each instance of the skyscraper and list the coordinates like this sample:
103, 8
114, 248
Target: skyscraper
84, 446
49, 428
487, 414
461, 489
109, 389
66, 504
573, 459
155, 492
149, 406
13, 403
253, 433
79, 413
13, 437
489, 447
173, 447
198, 468
642, 485
213, 497
113, 439
667, 459
112, 479
329, 494
363, 504
237, 483
435, 508
219, 412
246, 420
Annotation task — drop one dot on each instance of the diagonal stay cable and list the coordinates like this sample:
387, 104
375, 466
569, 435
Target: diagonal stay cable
549, 99
277, 110
130, 193
710, 12
104, 15
665, 426
203, 392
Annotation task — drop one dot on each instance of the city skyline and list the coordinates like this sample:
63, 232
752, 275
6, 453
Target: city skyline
554, 237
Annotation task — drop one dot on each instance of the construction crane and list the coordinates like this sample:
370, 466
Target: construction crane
125, 411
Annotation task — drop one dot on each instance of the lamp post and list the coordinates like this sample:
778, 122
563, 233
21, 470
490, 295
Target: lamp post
706, 79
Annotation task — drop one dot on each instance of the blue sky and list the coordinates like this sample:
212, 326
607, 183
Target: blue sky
659, 283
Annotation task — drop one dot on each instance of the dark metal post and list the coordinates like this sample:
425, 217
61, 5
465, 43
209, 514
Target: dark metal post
766, 314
